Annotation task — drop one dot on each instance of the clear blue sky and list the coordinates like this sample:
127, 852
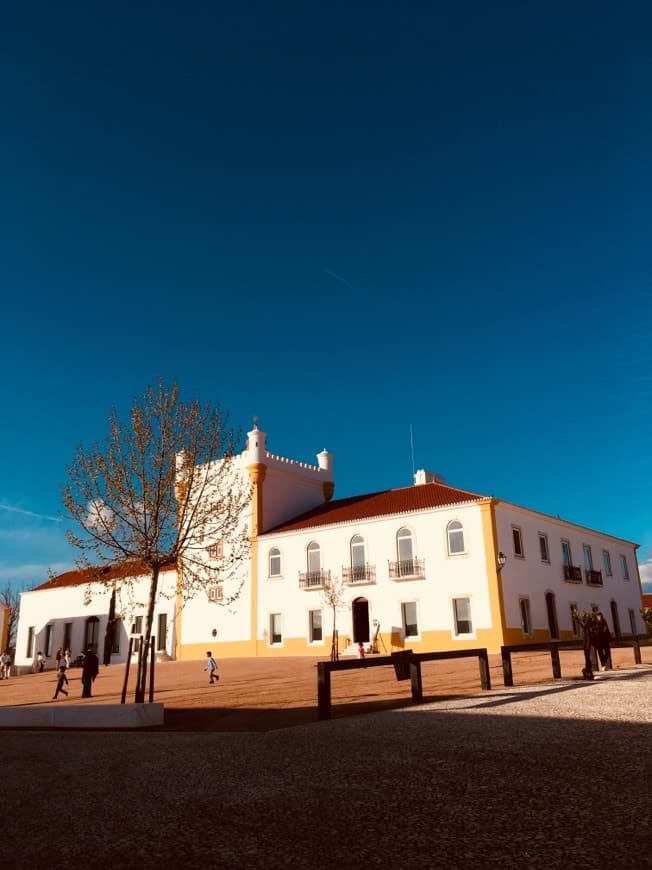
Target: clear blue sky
348, 219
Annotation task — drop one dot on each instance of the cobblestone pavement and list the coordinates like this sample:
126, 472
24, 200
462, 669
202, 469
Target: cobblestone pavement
544, 775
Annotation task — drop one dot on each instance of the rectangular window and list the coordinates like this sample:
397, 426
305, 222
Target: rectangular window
588, 558
518, 541
30, 642
216, 550
117, 631
162, 633
409, 618
275, 628
215, 593
526, 621
137, 625
566, 554
543, 547
624, 567
67, 635
462, 613
49, 635
606, 561
315, 626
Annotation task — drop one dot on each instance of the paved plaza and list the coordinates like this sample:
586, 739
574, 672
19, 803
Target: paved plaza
543, 775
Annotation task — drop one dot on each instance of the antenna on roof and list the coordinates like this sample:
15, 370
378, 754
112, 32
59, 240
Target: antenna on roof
412, 449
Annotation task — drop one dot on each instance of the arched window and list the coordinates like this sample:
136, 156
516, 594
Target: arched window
358, 557
405, 551
455, 538
314, 557
275, 562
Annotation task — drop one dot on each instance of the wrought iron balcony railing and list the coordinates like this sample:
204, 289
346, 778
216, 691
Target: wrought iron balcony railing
572, 574
407, 569
313, 579
359, 575
594, 578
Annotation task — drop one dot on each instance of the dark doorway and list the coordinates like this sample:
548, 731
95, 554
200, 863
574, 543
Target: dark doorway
360, 609
551, 607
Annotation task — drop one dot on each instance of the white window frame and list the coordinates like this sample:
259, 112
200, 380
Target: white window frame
313, 551
518, 531
274, 554
404, 622
624, 567
455, 528
216, 593
311, 627
588, 557
525, 613
544, 549
272, 618
606, 562
456, 617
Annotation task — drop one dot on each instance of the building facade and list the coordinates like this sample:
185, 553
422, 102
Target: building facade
426, 567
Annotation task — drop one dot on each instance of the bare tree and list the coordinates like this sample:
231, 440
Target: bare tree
10, 600
333, 594
160, 490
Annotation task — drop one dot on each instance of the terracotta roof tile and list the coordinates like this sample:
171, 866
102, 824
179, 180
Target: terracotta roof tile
376, 504
97, 575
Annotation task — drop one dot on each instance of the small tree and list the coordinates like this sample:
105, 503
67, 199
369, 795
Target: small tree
10, 600
333, 594
646, 613
159, 490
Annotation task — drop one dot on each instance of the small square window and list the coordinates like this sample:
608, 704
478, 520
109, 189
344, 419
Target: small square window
215, 593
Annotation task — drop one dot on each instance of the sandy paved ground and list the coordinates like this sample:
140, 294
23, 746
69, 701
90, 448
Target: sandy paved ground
263, 694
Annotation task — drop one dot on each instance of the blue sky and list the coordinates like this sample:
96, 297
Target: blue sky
349, 219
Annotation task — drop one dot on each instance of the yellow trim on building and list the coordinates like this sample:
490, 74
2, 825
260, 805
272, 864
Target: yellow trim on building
495, 638
257, 473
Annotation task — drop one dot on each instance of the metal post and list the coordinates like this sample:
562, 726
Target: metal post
415, 679
508, 677
324, 690
485, 676
636, 645
556, 663
127, 663
151, 671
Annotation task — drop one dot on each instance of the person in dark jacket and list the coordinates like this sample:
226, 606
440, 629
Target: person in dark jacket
90, 669
602, 641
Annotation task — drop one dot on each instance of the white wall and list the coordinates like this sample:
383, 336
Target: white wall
532, 578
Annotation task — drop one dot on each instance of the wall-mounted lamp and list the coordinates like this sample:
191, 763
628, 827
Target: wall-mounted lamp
502, 558
214, 632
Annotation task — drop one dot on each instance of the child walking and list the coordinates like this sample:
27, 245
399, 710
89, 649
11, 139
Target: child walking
211, 667
61, 679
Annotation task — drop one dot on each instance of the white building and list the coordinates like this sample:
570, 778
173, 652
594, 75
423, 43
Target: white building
426, 567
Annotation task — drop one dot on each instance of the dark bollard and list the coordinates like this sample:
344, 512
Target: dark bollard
508, 677
556, 663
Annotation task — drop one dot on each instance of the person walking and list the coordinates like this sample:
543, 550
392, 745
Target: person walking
40, 662
211, 667
67, 658
61, 679
58, 657
90, 669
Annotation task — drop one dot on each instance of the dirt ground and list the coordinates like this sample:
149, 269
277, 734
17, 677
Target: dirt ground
270, 693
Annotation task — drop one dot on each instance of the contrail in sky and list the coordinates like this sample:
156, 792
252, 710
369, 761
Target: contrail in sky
339, 278
15, 510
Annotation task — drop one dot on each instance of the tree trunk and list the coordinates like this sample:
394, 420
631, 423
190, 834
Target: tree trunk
149, 619
110, 631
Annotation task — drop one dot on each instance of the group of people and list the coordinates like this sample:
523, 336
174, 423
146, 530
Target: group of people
90, 670
5, 665
596, 637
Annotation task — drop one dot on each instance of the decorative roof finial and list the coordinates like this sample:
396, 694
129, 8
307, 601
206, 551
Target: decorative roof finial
255, 422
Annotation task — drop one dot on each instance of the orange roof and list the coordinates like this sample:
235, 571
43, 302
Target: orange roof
97, 575
378, 504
